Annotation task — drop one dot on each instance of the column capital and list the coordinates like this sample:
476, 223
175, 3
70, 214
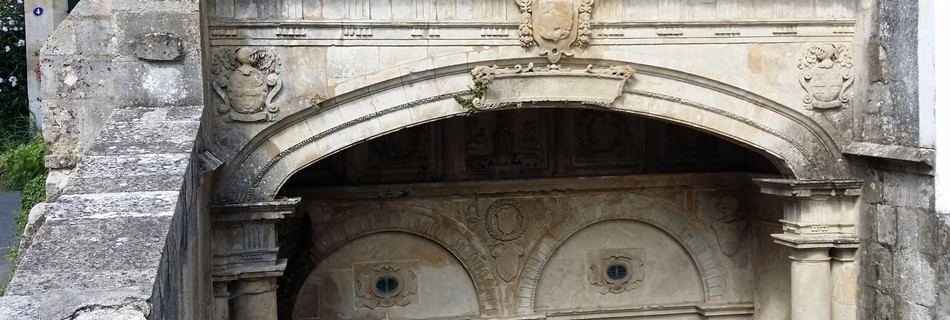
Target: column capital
245, 239
817, 213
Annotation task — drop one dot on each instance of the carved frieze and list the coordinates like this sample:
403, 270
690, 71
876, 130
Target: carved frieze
385, 284
827, 72
556, 26
616, 271
247, 80
501, 145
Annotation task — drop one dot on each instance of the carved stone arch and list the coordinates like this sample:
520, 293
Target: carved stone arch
799, 146
449, 234
621, 206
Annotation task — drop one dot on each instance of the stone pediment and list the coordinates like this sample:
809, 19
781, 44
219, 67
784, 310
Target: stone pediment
517, 85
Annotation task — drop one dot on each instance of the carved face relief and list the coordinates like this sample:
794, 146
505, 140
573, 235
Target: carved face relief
555, 25
246, 80
826, 75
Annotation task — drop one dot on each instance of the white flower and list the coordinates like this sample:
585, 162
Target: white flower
20, 43
13, 84
12, 79
6, 49
5, 29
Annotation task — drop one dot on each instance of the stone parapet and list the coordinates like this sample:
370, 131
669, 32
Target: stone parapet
119, 238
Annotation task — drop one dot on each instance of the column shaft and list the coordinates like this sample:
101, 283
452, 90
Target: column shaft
844, 277
811, 284
255, 299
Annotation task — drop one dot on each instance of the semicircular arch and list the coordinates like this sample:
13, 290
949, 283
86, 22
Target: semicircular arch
799, 146
455, 238
622, 206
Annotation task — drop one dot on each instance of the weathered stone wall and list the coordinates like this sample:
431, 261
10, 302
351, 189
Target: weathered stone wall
120, 236
905, 267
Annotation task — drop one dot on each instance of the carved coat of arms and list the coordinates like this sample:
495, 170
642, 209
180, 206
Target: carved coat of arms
827, 72
246, 79
556, 26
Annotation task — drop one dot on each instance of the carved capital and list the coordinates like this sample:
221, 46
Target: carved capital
244, 239
817, 213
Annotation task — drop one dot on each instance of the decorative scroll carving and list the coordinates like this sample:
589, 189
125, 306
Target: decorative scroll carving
616, 271
511, 85
555, 25
385, 284
247, 80
826, 75
728, 222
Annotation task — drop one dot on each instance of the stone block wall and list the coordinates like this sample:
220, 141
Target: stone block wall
905, 266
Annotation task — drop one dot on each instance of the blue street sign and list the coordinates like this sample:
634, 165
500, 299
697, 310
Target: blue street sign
37, 11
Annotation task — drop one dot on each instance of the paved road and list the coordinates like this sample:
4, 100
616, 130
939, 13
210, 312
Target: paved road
9, 203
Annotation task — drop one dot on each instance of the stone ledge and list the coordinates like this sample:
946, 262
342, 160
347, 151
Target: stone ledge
891, 152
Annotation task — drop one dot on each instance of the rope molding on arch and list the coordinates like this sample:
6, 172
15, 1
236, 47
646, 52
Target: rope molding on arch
273, 161
798, 146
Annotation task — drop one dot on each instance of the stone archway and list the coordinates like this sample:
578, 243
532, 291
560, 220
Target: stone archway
442, 230
798, 145
609, 207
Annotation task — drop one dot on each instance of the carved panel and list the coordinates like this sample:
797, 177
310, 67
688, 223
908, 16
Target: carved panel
616, 271
410, 154
385, 284
506, 145
826, 75
602, 143
247, 80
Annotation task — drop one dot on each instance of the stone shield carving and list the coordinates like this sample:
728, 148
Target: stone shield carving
604, 265
827, 72
556, 26
729, 222
506, 223
385, 284
246, 79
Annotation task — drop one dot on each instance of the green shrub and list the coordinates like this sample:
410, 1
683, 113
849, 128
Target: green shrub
22, 164
15, 122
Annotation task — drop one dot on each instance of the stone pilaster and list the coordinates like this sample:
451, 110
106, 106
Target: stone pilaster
819, 225
246, 266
